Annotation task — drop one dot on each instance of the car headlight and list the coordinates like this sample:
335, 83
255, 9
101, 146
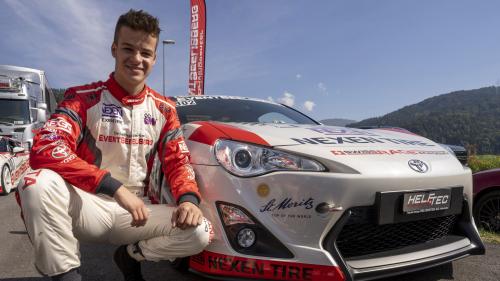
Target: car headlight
246, 160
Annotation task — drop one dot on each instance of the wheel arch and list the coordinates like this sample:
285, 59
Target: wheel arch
485, 191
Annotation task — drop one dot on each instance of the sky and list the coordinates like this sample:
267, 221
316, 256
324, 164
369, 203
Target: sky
353, 59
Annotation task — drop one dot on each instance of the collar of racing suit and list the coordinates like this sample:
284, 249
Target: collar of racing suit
122, 95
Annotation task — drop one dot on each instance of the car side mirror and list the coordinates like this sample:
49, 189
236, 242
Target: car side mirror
17, 149
41, 105
41, 115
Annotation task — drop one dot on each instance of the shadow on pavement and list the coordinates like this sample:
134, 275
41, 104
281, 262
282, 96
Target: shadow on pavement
27, 279
19, 232
442, 272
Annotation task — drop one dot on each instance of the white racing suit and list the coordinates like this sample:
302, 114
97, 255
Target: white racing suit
99, 139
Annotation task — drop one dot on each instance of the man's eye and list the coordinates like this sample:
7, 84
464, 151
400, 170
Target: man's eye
146, 55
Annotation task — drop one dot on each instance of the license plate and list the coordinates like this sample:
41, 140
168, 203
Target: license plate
426, 201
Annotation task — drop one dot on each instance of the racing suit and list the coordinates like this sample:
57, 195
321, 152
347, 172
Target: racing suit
98, 139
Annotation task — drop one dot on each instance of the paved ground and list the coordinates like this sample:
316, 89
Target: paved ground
16, 261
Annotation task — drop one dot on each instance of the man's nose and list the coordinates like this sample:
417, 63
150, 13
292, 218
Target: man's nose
136, 57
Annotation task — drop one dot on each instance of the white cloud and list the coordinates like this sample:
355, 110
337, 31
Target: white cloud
322, 88
298, 76
309, 105
71, 38
270, 99
287, 99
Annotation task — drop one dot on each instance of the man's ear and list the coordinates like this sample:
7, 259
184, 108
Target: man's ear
113, 49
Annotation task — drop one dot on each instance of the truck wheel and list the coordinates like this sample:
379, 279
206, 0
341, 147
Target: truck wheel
6, 180
181, 264
487, 211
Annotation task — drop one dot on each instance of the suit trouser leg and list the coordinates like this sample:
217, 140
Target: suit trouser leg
157, 239
57, 215
45, 205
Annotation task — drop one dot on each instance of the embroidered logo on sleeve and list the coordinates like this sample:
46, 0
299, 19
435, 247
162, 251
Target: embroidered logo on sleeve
183, 147
58, 124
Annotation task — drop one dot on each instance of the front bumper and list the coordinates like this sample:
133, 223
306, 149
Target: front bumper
460, 240
311, 236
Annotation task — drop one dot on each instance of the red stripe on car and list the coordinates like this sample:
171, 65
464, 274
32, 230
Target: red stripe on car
224, 265
209, 132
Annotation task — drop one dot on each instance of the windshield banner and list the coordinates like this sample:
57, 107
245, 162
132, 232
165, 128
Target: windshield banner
197, 48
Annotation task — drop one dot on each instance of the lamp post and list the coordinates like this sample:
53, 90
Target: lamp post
165, 42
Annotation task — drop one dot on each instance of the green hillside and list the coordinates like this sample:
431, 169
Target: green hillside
470, 118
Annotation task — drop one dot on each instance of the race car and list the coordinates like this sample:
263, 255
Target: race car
292, 199
13, 164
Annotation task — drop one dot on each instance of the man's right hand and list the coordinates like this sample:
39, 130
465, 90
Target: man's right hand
133, 204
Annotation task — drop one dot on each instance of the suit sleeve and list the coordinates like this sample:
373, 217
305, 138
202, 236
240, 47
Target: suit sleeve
55, 145
176, 165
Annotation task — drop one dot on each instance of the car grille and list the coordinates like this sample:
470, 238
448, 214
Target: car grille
361, 235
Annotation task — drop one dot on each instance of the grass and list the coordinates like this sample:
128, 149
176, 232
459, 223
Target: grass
483, 162
489, 236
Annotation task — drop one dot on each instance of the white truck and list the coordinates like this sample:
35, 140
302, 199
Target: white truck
26, 100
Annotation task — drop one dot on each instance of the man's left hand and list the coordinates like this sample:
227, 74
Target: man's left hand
186, 215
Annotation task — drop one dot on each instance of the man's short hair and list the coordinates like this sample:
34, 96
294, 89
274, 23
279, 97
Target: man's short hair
139, 21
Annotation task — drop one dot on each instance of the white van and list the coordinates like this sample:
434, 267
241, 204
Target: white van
26, 101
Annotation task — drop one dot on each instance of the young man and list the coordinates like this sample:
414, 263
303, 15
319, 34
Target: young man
90, 162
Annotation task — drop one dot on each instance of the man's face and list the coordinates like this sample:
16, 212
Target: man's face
135, 55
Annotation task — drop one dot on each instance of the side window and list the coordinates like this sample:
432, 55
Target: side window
3, 145
10, 146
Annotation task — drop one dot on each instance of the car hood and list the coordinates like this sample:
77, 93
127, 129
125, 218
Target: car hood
349, 150
270, 134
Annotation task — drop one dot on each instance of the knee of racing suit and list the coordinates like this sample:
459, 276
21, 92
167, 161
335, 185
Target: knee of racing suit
40, 188
202, 236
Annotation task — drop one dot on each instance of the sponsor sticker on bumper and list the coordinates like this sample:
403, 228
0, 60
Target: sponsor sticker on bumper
219, 264
426, 201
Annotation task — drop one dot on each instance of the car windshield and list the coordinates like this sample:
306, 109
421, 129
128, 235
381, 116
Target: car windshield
226, 109
3, 145
14, 111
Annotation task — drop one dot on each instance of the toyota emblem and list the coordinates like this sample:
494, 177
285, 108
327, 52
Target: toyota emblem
418, 166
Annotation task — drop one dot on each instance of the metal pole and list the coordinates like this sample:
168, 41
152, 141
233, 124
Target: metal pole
163, 46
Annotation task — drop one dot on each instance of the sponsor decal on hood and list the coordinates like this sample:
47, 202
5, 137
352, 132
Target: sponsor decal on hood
276, 134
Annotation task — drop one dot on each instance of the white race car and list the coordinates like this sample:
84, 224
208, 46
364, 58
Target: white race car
13, 164
292, 199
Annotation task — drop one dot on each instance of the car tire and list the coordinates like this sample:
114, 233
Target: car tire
181, 264
6, 180
487, 211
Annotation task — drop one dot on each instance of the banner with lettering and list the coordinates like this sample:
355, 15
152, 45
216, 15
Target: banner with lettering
197, 38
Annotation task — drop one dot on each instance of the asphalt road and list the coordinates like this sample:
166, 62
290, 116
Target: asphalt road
16, 259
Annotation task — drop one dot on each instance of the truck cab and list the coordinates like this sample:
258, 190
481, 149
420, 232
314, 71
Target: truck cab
26, 101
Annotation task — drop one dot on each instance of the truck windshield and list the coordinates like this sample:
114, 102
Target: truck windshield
14, 112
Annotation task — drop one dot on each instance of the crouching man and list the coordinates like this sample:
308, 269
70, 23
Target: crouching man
90, 162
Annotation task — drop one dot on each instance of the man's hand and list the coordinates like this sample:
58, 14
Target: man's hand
133, 204
186, 215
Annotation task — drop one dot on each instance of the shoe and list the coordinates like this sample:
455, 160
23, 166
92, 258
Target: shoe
130, 268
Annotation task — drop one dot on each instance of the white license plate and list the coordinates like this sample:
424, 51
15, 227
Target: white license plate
426, 201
